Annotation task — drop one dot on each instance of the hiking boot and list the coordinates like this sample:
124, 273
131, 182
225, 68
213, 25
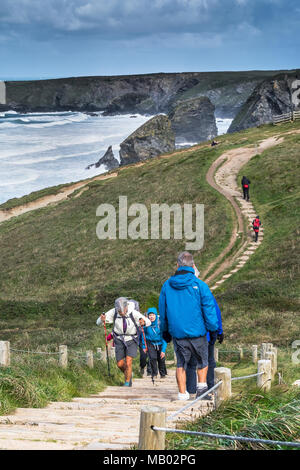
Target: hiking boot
142, 371
200, 392
126, 384
162, 376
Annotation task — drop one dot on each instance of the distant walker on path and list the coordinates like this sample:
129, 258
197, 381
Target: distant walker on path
245, 185
256, 223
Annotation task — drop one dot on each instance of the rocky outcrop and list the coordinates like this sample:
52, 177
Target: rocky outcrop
108, 160
151, 139
193, 120
144, 94
272, 97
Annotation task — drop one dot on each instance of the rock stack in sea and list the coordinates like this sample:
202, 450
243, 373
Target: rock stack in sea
108, 160
193, 120
151, 139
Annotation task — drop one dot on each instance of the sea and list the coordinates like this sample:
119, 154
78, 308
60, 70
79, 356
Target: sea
38, 150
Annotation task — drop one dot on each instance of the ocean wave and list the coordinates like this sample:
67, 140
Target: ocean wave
30, 161
17, 178
34, 121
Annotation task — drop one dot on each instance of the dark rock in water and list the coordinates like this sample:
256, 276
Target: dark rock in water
151, 139
272, 97
133, 116
108, 160
193, 120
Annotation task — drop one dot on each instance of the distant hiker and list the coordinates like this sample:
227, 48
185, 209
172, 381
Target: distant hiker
155, 344
126, 322
187, 313
245, 185
256, 223
191, 376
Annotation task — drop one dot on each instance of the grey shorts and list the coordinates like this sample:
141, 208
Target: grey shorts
123, 349
191, 347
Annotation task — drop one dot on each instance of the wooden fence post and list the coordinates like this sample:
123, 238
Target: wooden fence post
275, 350
63, 356
4, 353
216, 354
271, 356
241, 352
148, 438
264, 380
101, 354
223, 392
263, 350
254, 353
112, 353
89, 359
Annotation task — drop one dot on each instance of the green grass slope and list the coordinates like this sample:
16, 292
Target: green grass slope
261, 301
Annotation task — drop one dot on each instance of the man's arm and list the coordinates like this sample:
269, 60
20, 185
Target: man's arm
139, 316
109, 317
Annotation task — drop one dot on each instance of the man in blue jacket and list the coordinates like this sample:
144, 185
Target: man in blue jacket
156, 344
191, 376
187, 313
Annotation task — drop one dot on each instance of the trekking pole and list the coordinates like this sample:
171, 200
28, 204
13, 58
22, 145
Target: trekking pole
147, 353
106, 347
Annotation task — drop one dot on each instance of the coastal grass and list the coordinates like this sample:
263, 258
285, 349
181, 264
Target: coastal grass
261, 301
57, 277
273, 415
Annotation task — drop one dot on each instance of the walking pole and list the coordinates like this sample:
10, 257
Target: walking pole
147, 352
106, 347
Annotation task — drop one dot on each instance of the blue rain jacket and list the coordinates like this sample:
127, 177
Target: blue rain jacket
186, 306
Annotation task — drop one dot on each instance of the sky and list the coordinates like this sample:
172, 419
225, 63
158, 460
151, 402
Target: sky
62, 38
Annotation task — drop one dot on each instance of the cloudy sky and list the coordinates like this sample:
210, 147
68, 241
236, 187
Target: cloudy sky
59, 38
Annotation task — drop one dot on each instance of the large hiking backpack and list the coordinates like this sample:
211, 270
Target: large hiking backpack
256, 224
138, 329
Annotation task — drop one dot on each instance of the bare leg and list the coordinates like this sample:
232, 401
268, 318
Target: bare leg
181, 379
121, 365
128, 370
202, 373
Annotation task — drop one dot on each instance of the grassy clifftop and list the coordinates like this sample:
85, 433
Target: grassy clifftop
57, 274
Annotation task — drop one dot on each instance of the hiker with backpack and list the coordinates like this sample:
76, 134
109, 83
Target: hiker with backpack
187, 313
245, 186
126, 328
191, 376
154, 343
256, 223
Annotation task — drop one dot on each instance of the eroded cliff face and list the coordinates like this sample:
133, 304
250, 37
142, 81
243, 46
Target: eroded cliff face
193, 120
151, 139
145, 94
272, 97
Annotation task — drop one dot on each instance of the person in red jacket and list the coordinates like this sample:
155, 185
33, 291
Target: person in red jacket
256, 223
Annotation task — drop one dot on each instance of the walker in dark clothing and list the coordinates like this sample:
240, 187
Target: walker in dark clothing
191, 376
245, 185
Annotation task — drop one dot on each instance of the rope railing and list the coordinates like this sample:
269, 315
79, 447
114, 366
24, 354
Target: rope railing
173, 415
229, 437
153, 419
247, 376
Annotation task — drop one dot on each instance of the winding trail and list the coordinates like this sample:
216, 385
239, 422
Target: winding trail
222, 176
110, 419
